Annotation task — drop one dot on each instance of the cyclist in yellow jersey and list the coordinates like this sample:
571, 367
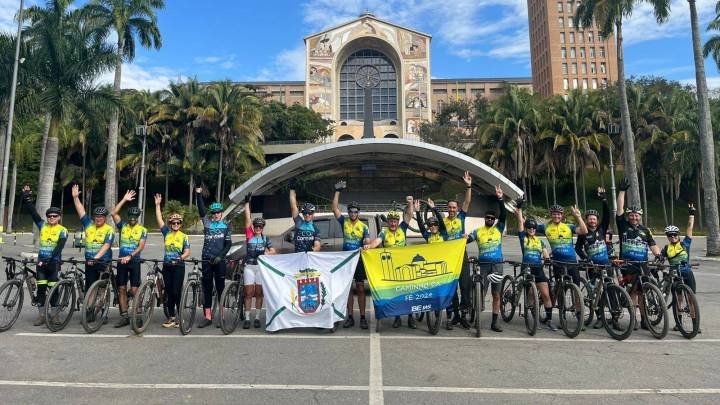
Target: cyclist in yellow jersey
395, 236
52, 240
177, 249
98, 239
355, 235
132, 242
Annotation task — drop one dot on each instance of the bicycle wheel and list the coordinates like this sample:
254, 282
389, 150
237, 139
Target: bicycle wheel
433, 321
142, 309
188, 306
96, 305
587, 291
655, 310
686, 311
571, 310
11, 301
231, 308
618, 312
530, 307
507, 298
477, 307
64, 295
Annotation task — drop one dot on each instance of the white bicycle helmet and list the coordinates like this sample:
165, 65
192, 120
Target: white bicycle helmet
672, 229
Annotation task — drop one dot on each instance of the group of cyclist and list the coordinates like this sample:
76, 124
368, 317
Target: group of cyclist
593, 245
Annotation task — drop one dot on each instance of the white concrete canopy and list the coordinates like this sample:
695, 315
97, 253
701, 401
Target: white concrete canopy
388, 153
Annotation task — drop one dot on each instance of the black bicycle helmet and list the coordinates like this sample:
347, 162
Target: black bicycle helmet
591, 212
530, 223
557, 208
52, 210
258, 222
308, 208
100, 211
432, 221
134, 212
353, 205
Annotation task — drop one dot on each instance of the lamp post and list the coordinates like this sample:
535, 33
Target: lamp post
141, 130
11, 116
612, 129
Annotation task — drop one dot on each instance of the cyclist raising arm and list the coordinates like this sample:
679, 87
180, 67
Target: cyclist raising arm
132, 241
533, 253
355, 235
216, 244
98, 238
52, 241
306, 233
678, 252
177, 249
257, 244
435, 231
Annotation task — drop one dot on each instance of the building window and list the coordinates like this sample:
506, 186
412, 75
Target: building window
572, 53
561, 22
565, 84
384, 94
591, 37
477, 92
560, 7
440, 92
297, 93
592, 67
570, 22
574, 69
570, 7
564, 68
582, 53
572, 37
278, 96
575, 83
594, 84
604, 82
592, 53
440, 105
563, 52
562, 37
602, 51
585, 84
603, 68
583, 68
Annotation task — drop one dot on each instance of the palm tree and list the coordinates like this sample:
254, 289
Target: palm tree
72, 62
24, 146
609, 14
707, 148
129, 19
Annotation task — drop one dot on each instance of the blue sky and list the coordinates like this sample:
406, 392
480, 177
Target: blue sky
263, 40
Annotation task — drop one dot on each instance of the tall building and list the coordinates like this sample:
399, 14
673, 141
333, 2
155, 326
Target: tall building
564, 56
372, 79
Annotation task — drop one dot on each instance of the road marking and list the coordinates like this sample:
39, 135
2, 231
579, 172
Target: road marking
376, 380
372, 336
706, 274
290, 387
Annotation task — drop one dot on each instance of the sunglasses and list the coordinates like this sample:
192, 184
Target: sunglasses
259, 226
53, 216
175, 223
308, 213
433, 225
489, 218
353, 212
532, 229
672, 235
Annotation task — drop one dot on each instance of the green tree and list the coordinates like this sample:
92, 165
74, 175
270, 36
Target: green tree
129, 19
296, 122
609, 15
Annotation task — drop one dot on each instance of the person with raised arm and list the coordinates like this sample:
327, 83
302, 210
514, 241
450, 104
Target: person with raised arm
257, 244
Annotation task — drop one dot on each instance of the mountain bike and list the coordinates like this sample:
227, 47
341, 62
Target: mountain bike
98, 299
192, 297
68, 295
681, 298
567, 298
12, 294
611, 302
150, 294
477, 295
232, 301
654, 307
519, 291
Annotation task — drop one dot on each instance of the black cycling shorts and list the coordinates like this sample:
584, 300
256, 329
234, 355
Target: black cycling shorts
130, 271
360, 275
539, 274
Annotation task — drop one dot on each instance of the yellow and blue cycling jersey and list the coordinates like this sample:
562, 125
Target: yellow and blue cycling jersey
175, 244
50, 235
392, 239
678, 254
489, 241
130, 237
96, 237
353, 234
560, 237
532, 248
455, 227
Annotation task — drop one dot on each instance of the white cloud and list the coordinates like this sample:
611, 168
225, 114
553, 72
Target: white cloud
713, 82
8, 11
137, 77
289, 64
642, 26
224, 61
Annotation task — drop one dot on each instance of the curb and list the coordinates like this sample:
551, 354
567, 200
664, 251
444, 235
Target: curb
707, 259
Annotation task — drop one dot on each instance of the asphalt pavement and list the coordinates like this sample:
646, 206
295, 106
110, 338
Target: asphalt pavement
351, 366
